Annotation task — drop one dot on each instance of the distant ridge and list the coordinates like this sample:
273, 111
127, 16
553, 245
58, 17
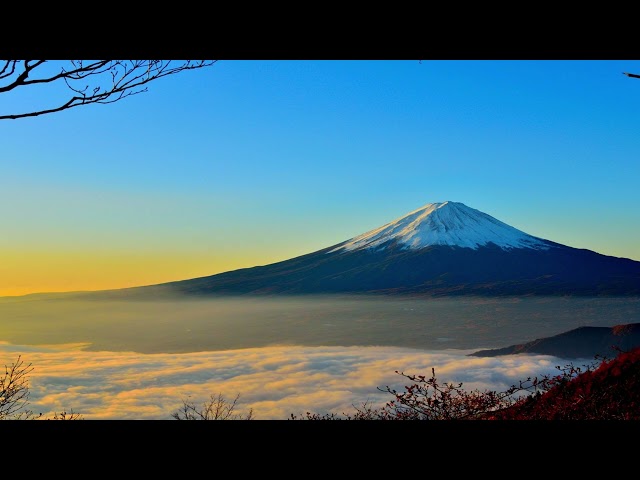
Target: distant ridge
583, 342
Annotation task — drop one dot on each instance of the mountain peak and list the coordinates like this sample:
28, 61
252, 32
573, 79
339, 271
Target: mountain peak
445, 223
480, 256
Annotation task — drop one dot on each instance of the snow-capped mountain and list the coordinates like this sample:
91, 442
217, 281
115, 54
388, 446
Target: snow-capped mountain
440, 249
447, 223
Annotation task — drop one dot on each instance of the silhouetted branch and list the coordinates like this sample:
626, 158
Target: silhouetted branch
100, 81
14, 395
14, 391
217, 408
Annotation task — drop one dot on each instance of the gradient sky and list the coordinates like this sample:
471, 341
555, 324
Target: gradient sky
251, 162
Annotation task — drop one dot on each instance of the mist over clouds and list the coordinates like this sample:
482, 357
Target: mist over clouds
139, 360
274, 381
183, 325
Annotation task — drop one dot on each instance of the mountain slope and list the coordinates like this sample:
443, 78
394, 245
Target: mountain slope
440, 249
609, 392
583, 342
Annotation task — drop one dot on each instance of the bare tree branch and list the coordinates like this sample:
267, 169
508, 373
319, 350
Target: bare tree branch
100, 81
14, 395
217, 408
14, 391
8, 69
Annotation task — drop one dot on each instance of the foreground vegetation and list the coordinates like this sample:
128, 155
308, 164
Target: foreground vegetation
608, 389
14, 395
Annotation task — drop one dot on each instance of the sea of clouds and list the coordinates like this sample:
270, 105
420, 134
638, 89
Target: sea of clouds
274, 381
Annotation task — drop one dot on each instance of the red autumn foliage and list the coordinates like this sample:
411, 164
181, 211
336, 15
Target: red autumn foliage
610, 392
609, 389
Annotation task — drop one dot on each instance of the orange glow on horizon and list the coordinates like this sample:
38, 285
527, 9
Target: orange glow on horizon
23, 273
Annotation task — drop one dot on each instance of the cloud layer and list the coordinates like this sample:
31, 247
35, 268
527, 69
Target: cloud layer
273, 381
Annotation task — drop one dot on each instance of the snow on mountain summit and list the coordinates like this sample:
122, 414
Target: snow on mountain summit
446, 223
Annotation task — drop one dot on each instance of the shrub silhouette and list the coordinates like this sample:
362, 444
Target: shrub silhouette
607, 389
14, 395
609, 392
216, 408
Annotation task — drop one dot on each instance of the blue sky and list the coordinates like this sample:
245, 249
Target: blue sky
250, 162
